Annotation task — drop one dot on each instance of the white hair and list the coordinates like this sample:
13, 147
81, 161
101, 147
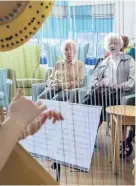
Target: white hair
67, 42
112, 36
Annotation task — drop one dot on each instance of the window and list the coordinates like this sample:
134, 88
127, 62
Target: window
102, 10
100, 45
80, 11
59, 11
88, 38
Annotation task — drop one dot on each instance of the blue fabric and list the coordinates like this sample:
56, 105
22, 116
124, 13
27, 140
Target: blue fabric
1, 95
86, 80
51, 55
128, 100
58, 51
83, 51
8, 88
132, 52
90, 61
37, 89
3, 79
43, 60
2, 103
4, 88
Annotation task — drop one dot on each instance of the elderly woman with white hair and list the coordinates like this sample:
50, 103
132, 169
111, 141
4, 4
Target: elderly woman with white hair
66, 74
113, 78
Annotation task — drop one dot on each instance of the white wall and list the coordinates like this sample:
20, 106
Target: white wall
88, 2
125, 17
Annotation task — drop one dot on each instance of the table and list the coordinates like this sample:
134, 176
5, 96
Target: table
120, 115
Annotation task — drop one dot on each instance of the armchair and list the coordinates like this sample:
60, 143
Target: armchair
12, 76
82, 51
53, 52
81, 92
5, 86
129, 100
25, 62
37, 89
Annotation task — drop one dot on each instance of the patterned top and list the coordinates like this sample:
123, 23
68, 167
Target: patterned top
68, 75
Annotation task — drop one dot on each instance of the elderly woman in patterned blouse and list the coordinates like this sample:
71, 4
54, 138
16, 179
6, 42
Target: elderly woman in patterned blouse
113, 78
67, 74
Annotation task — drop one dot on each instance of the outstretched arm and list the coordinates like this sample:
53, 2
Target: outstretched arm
33, 127
18, 121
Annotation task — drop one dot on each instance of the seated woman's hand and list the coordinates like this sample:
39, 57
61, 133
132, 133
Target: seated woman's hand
55, 86
100, 84
33, 127
115, 86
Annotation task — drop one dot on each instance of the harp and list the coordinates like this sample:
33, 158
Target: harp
19, 20
29, 48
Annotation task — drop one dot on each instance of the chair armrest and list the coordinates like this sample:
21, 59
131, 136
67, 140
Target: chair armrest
76, 89
79, 92
9, 81
12, 77
128, 100
8, 92
37, 89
